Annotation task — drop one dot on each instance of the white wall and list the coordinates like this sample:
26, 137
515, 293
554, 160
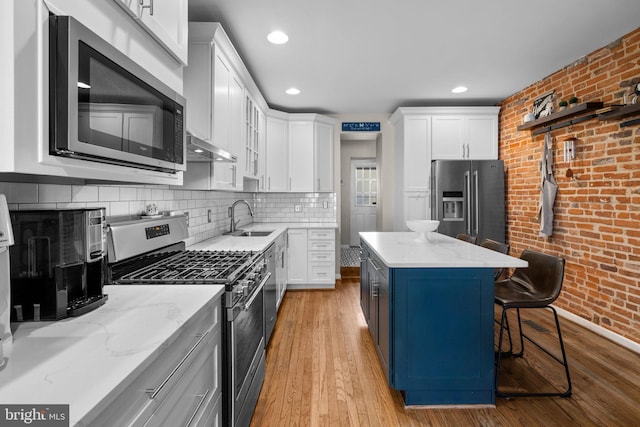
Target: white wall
351, 149
384, 151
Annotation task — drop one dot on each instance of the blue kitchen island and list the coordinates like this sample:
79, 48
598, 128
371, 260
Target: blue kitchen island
429, 309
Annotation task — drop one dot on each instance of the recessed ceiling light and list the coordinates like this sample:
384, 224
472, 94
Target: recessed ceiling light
198, 150
83, 85
292, 91
459, 89
277, 37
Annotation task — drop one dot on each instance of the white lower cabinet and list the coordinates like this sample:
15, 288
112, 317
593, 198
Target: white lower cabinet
311, 258
297, 253
181, 386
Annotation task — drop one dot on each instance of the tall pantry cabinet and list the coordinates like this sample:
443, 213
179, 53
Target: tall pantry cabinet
424, 134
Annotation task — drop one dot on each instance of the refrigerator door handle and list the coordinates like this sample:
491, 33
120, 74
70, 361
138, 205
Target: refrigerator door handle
467, 200
476, 195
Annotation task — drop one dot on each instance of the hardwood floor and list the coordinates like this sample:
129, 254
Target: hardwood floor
322, 370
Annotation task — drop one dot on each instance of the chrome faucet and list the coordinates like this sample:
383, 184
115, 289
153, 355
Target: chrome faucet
233, 213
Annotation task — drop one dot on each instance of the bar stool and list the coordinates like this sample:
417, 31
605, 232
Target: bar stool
467, 238
536, 286
494, 245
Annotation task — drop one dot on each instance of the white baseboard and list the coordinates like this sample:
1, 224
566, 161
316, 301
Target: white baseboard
310, 286
616, 338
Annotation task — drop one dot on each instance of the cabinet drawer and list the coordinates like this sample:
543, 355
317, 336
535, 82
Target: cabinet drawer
322, 256
132, 405
211, 415
321, 234
321, 245
196, 386
322, 272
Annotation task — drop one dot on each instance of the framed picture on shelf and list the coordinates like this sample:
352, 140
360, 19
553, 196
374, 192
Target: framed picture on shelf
543, 105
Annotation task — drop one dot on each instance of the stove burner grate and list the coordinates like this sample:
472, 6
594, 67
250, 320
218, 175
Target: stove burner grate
192, 267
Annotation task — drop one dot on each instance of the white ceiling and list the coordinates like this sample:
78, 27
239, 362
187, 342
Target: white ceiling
372, 56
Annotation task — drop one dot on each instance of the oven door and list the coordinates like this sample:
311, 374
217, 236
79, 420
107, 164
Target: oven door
105, 107
245, 328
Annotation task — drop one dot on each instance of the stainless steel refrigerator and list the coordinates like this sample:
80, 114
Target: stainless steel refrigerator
467, 196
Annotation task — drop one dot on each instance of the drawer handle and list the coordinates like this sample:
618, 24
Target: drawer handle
202, 397
153, 392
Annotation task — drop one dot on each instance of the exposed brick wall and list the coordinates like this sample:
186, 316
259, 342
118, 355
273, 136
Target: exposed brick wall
597, 211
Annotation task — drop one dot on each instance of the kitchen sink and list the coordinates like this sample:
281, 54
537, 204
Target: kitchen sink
256, 233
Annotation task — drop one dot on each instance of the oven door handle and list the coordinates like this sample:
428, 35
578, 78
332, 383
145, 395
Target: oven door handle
255, 294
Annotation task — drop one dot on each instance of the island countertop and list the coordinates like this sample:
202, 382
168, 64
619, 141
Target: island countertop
82, 360
404, 250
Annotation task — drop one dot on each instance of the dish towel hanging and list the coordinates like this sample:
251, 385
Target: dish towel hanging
548, 188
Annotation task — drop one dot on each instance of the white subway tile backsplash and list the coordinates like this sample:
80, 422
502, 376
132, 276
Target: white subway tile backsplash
132, 200
84, 193
108, 193
144, 194
55, 193
128, 193
19, 192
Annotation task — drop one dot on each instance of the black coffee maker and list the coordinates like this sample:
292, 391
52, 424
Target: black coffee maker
58, 263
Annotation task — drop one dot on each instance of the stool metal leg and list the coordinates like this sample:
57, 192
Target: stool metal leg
563, 361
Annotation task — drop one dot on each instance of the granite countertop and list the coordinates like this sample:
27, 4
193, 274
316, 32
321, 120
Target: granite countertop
257, 244
404, 250
80, 360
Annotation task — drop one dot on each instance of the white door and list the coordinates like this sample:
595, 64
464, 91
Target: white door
364, 198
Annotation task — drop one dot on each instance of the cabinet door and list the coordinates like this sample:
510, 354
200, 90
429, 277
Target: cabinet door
221, 102
482, 137
277, 155
252, 132
447, 137
323, 157
373, 300
236, 131
364, 281
297, 251
416, 206
165, 20
198, 90
384, 312
301, 156
417, 158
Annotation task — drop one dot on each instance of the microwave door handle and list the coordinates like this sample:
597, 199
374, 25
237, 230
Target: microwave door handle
467, 201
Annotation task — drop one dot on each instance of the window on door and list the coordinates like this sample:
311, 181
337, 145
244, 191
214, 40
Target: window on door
366, 186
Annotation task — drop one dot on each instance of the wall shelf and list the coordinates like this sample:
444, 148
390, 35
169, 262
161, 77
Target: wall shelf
577, 114
626, 111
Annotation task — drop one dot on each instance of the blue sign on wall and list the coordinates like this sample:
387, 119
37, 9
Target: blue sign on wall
360, 126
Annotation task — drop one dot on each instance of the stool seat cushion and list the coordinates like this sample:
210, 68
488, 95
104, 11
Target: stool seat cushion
512, 293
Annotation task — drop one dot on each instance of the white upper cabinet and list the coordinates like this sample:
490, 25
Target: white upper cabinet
323, 157
24, 124
165, 20
215, 94
301, 156
254, 139
469, 133
412, 134
310, 153
299, 153
276, 154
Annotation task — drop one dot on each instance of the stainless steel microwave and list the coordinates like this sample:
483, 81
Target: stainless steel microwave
104, 107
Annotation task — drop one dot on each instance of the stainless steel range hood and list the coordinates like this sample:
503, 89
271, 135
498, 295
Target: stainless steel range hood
199, 150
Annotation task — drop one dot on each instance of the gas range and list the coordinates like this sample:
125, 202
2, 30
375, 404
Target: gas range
152, 252
162, 259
